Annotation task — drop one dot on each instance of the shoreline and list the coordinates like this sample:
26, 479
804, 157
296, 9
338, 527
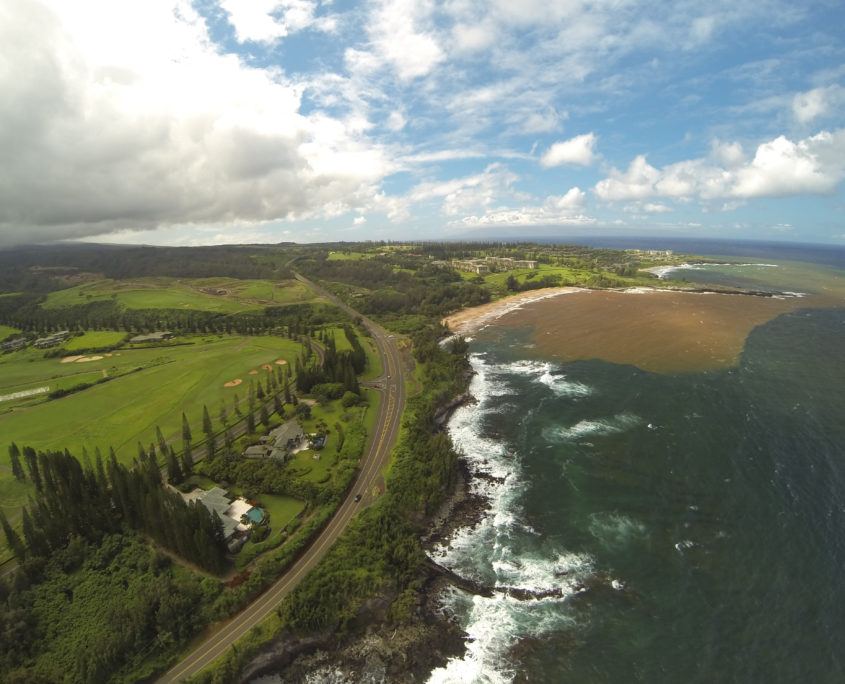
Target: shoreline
470, 320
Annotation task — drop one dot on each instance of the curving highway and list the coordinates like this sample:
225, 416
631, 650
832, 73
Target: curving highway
368, 485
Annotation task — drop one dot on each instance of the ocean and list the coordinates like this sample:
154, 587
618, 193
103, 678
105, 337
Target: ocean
657, 524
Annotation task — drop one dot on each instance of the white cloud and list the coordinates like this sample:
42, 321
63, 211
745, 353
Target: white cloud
577, 150
400, 36
105, 134
265, 21
461, 195
780, 167
818, 102
566, 209
727, 154
359, 221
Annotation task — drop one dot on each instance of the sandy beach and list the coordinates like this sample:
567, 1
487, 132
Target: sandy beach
467, 321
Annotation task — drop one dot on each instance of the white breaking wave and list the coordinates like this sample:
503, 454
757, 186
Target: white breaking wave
601, 426
489, 552
663, 271
546, 374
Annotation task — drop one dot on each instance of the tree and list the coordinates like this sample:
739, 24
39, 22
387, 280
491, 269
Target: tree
162, 445
224, 416
286, 383
207, 427
186, 429
174, 472
511, 283
187, 462
32, 467
250, 421
15, 458
236, 404
12, 538
264, 416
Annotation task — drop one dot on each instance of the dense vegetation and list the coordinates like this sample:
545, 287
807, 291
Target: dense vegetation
73, 500
93, 612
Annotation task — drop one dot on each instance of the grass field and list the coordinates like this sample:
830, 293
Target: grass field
282, 509
224, 295
373, 369
126, 410
340, 341
6, 330
347, 256
94, 340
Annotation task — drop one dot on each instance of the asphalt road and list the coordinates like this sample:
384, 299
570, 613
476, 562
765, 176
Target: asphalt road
368, 484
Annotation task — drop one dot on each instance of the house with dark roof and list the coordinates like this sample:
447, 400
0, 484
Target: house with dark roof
279, 443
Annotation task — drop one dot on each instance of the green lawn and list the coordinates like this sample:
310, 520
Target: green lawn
281, 509
6, 330
127, 409
347, 256
95, 340
373, 369
340, 340
224, 295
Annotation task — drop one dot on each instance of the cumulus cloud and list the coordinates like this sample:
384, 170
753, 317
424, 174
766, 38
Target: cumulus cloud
577, 150
565, 209
99, 132
401, 36
780, 167
265, 21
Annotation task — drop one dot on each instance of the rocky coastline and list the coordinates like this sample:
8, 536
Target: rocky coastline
373, 649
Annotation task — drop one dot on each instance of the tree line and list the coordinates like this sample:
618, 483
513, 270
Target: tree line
80, 500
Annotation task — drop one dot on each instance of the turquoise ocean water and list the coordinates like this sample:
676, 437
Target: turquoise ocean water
673, 528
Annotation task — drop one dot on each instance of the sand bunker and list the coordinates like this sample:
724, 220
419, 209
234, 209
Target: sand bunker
267, 367
281, 362
233, 383
70, 359
86, 359
253, 372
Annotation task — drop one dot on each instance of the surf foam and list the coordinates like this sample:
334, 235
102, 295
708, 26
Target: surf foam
502, 550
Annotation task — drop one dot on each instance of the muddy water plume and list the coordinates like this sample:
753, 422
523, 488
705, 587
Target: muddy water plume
658, 331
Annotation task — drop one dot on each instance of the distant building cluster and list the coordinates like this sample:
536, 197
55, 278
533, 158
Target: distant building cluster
491, 264
13, 345
653, 252
52, 340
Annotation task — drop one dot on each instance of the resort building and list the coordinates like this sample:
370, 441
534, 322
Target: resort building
52, 340
491, 264
13, 345
471, 266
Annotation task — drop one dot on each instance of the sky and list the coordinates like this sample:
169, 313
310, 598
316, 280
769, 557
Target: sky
239, 121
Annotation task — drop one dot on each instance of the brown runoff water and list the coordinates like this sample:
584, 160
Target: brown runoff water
657, 331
